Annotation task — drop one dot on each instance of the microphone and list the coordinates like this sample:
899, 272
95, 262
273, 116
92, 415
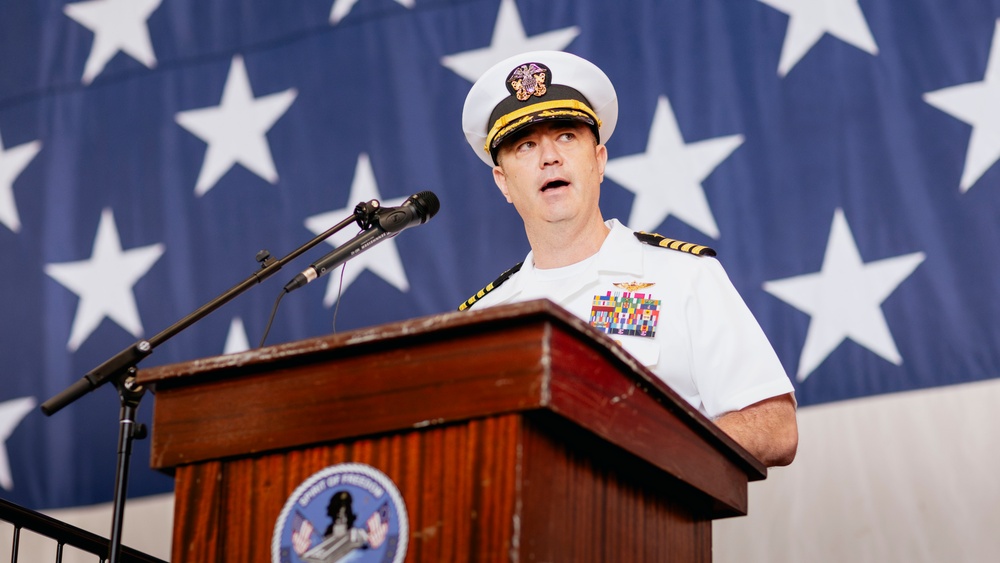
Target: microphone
387, 223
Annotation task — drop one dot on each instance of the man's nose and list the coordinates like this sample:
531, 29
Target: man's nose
550, 152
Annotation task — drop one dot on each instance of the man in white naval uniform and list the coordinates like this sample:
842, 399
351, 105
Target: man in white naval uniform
540, 120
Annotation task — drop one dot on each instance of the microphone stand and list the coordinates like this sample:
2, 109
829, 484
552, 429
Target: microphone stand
121, 368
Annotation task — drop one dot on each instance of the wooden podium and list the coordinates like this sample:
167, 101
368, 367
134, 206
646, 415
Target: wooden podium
515, 433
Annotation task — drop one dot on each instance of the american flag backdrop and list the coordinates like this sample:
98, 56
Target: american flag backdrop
840, 155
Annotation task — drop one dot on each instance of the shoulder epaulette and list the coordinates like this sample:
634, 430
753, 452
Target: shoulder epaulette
493, 285
654, 239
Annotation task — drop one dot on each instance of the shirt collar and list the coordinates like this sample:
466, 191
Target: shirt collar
617, 255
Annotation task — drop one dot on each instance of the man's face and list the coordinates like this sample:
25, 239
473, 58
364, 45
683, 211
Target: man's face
552, 172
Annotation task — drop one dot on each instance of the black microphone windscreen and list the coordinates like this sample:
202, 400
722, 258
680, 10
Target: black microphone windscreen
427, 203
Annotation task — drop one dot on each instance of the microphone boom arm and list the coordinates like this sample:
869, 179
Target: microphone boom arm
124, 361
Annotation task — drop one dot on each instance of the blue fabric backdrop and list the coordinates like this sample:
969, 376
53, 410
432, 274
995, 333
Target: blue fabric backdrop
840, 159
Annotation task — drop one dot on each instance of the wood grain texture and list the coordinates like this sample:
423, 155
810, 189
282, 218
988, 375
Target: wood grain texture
602, 503
457, 482
507, 488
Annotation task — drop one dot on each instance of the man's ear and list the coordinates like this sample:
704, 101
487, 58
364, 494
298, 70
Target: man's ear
602, 159
501, 181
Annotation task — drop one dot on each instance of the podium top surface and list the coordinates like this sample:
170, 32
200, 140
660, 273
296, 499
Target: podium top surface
422, 329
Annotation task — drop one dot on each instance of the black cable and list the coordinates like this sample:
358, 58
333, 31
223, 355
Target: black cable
274, 310
340, 293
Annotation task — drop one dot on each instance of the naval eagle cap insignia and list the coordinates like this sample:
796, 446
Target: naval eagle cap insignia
527, 80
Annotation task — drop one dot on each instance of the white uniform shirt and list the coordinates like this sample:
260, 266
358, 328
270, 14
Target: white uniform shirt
700, 337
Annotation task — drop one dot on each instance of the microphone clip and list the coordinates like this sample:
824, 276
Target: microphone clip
366, 212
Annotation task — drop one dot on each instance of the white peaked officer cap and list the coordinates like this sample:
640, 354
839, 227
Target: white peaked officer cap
532, 87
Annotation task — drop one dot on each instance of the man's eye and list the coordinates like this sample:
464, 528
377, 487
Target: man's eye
527, 145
